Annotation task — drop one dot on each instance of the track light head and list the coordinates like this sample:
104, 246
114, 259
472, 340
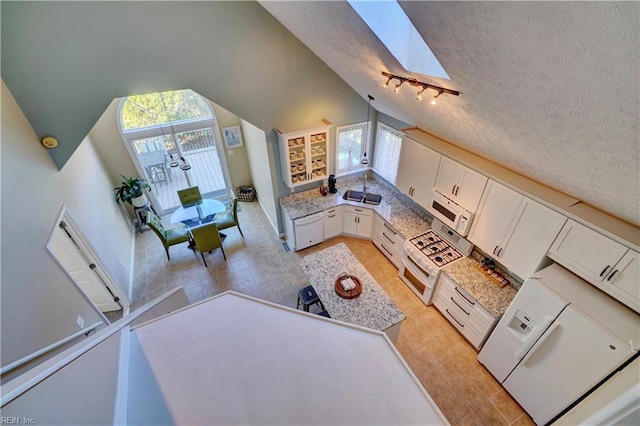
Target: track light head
435, 98
419, 95
386, 83
397, 88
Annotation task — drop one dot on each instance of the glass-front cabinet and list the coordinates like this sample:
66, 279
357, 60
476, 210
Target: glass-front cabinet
304, 156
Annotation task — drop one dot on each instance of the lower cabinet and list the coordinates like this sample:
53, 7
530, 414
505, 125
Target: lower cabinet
388, 240
358, 222
333, 222
463, 311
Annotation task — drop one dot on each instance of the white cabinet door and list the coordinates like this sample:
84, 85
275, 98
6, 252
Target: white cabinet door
304, 156
365, 226
460, 183
532, 232
586, 252
570, 357
426, 176
496, 213
624, 281
417, 170
333, 222
408, 164
448, 176
472, 186
350, 223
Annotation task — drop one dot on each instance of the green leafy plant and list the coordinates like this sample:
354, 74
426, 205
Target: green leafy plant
130, 188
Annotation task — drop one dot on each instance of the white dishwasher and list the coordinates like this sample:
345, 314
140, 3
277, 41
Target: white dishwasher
309, 230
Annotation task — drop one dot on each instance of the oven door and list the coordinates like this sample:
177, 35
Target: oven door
421, 282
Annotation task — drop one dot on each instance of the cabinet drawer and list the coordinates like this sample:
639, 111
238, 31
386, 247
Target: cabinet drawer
362, 211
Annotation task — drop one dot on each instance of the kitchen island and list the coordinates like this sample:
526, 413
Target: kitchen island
372, 309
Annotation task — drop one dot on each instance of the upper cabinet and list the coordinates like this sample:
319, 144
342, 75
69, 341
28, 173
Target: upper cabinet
600, 260
460, 183
417, 170
514, 229
304, 155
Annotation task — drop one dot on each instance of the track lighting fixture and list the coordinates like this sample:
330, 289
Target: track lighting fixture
435, 98
416, 83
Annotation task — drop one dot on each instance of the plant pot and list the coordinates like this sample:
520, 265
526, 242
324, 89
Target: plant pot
140, 201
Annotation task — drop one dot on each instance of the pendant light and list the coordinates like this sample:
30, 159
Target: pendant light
364, 161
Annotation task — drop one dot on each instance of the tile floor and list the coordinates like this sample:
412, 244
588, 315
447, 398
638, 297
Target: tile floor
258, 265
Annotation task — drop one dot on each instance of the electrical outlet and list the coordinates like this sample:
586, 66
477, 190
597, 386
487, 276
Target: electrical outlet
80, 322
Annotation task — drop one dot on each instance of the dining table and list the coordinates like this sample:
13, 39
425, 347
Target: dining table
200, 212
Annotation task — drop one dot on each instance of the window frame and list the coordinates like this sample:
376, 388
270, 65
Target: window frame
367, 147
177, 127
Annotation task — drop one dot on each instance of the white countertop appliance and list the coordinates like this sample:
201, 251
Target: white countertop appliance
449, 212
559, 338
425, 254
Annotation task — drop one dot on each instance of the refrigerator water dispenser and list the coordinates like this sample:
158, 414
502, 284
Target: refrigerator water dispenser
521, 325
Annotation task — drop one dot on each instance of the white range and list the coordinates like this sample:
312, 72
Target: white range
425, 255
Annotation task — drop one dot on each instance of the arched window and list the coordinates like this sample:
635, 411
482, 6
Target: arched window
173, 140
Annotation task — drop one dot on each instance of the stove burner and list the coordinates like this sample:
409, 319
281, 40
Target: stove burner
435, 248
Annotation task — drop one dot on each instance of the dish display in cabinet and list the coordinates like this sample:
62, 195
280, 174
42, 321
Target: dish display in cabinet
304, 156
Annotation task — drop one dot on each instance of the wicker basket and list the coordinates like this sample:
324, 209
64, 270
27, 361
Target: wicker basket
246, 193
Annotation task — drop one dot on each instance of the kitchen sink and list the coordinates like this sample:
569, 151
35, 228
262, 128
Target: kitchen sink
362, 197
372, 198
351, 195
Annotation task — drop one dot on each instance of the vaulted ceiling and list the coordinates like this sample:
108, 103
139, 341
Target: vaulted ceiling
549, 89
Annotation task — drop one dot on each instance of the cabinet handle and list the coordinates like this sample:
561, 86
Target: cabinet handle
332, 215
457, 189
331, 211
456, 303
453, 190
387, 237
386, 225
358, 210
499, 251
454, 318
465, 297
604, 270
494, 249
385, 249
612, 274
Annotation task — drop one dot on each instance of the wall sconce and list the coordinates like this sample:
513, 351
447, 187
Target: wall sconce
413, 82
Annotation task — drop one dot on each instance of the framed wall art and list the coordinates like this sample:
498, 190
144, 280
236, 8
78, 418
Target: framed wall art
232, 137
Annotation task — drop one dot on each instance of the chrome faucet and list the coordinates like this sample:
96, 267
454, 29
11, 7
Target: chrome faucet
364, 183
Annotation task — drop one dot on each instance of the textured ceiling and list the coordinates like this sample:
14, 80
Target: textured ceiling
549, 89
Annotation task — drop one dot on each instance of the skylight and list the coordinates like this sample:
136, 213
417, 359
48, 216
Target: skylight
393, 27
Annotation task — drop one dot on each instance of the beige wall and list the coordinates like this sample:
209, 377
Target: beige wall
40, 304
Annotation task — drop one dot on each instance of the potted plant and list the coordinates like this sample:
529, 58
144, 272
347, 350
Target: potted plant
132, 191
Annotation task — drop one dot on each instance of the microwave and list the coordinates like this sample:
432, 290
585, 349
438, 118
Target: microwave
449, 212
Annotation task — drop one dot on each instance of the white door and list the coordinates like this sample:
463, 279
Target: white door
72, 260
571, 357
427, 172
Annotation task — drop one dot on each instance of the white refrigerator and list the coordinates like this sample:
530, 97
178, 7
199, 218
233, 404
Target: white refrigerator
559, 338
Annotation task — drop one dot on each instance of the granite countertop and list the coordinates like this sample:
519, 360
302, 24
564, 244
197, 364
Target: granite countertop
372, 309
393, 209
493, 298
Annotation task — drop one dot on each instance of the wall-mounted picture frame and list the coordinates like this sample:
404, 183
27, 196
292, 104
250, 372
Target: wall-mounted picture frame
232, 137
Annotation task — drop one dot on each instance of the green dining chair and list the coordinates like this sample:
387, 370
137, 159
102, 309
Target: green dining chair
207, 238
229, 219
169, 237
189, 196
